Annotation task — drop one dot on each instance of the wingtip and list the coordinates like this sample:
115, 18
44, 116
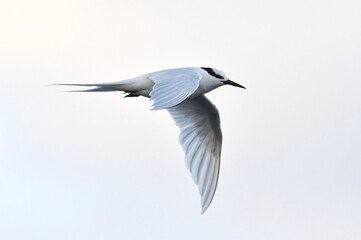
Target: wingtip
204, 209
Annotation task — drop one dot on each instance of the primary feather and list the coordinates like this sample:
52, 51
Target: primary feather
201, 138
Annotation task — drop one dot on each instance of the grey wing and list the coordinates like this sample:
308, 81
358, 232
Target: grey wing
173, 86
201, 139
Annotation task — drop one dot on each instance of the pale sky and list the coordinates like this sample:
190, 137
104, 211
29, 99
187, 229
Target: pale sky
98, 166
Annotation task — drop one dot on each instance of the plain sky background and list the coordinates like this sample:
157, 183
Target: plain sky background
98, 166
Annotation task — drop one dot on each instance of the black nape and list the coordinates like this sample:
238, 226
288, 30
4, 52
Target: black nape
211, 72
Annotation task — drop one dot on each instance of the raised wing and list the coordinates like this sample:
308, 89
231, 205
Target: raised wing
201, 139
173, 86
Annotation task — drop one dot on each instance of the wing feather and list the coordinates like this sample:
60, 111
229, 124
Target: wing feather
201, 139
193, 154
199, 160
173, 86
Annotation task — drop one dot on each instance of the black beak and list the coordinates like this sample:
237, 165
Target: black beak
229, 82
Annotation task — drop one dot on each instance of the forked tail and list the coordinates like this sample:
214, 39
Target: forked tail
97, 87
135, 87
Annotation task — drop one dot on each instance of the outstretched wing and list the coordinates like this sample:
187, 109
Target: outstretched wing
201, 139
173, 86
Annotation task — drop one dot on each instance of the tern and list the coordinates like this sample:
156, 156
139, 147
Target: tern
181, 92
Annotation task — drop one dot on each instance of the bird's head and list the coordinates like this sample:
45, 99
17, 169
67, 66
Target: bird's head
220, 78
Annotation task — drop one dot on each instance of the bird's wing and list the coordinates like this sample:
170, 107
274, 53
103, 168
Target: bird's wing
172, 87
201, 139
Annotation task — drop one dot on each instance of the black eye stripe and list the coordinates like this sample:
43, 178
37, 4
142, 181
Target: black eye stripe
211, 72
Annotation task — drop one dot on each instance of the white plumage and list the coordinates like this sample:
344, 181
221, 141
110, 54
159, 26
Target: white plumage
201, 138
180, 91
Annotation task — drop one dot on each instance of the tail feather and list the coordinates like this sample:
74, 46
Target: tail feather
140, 86
99, 87
88, 84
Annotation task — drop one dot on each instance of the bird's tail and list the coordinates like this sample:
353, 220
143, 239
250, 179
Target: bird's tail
98, 87
134, 87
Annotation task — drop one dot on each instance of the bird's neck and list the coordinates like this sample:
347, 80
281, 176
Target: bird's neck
207, 85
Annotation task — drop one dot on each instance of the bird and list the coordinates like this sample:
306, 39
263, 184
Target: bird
181, 92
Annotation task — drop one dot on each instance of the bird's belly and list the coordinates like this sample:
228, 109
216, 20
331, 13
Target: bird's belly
142, 87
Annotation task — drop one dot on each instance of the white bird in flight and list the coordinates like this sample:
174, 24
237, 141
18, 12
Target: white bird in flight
181, 91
